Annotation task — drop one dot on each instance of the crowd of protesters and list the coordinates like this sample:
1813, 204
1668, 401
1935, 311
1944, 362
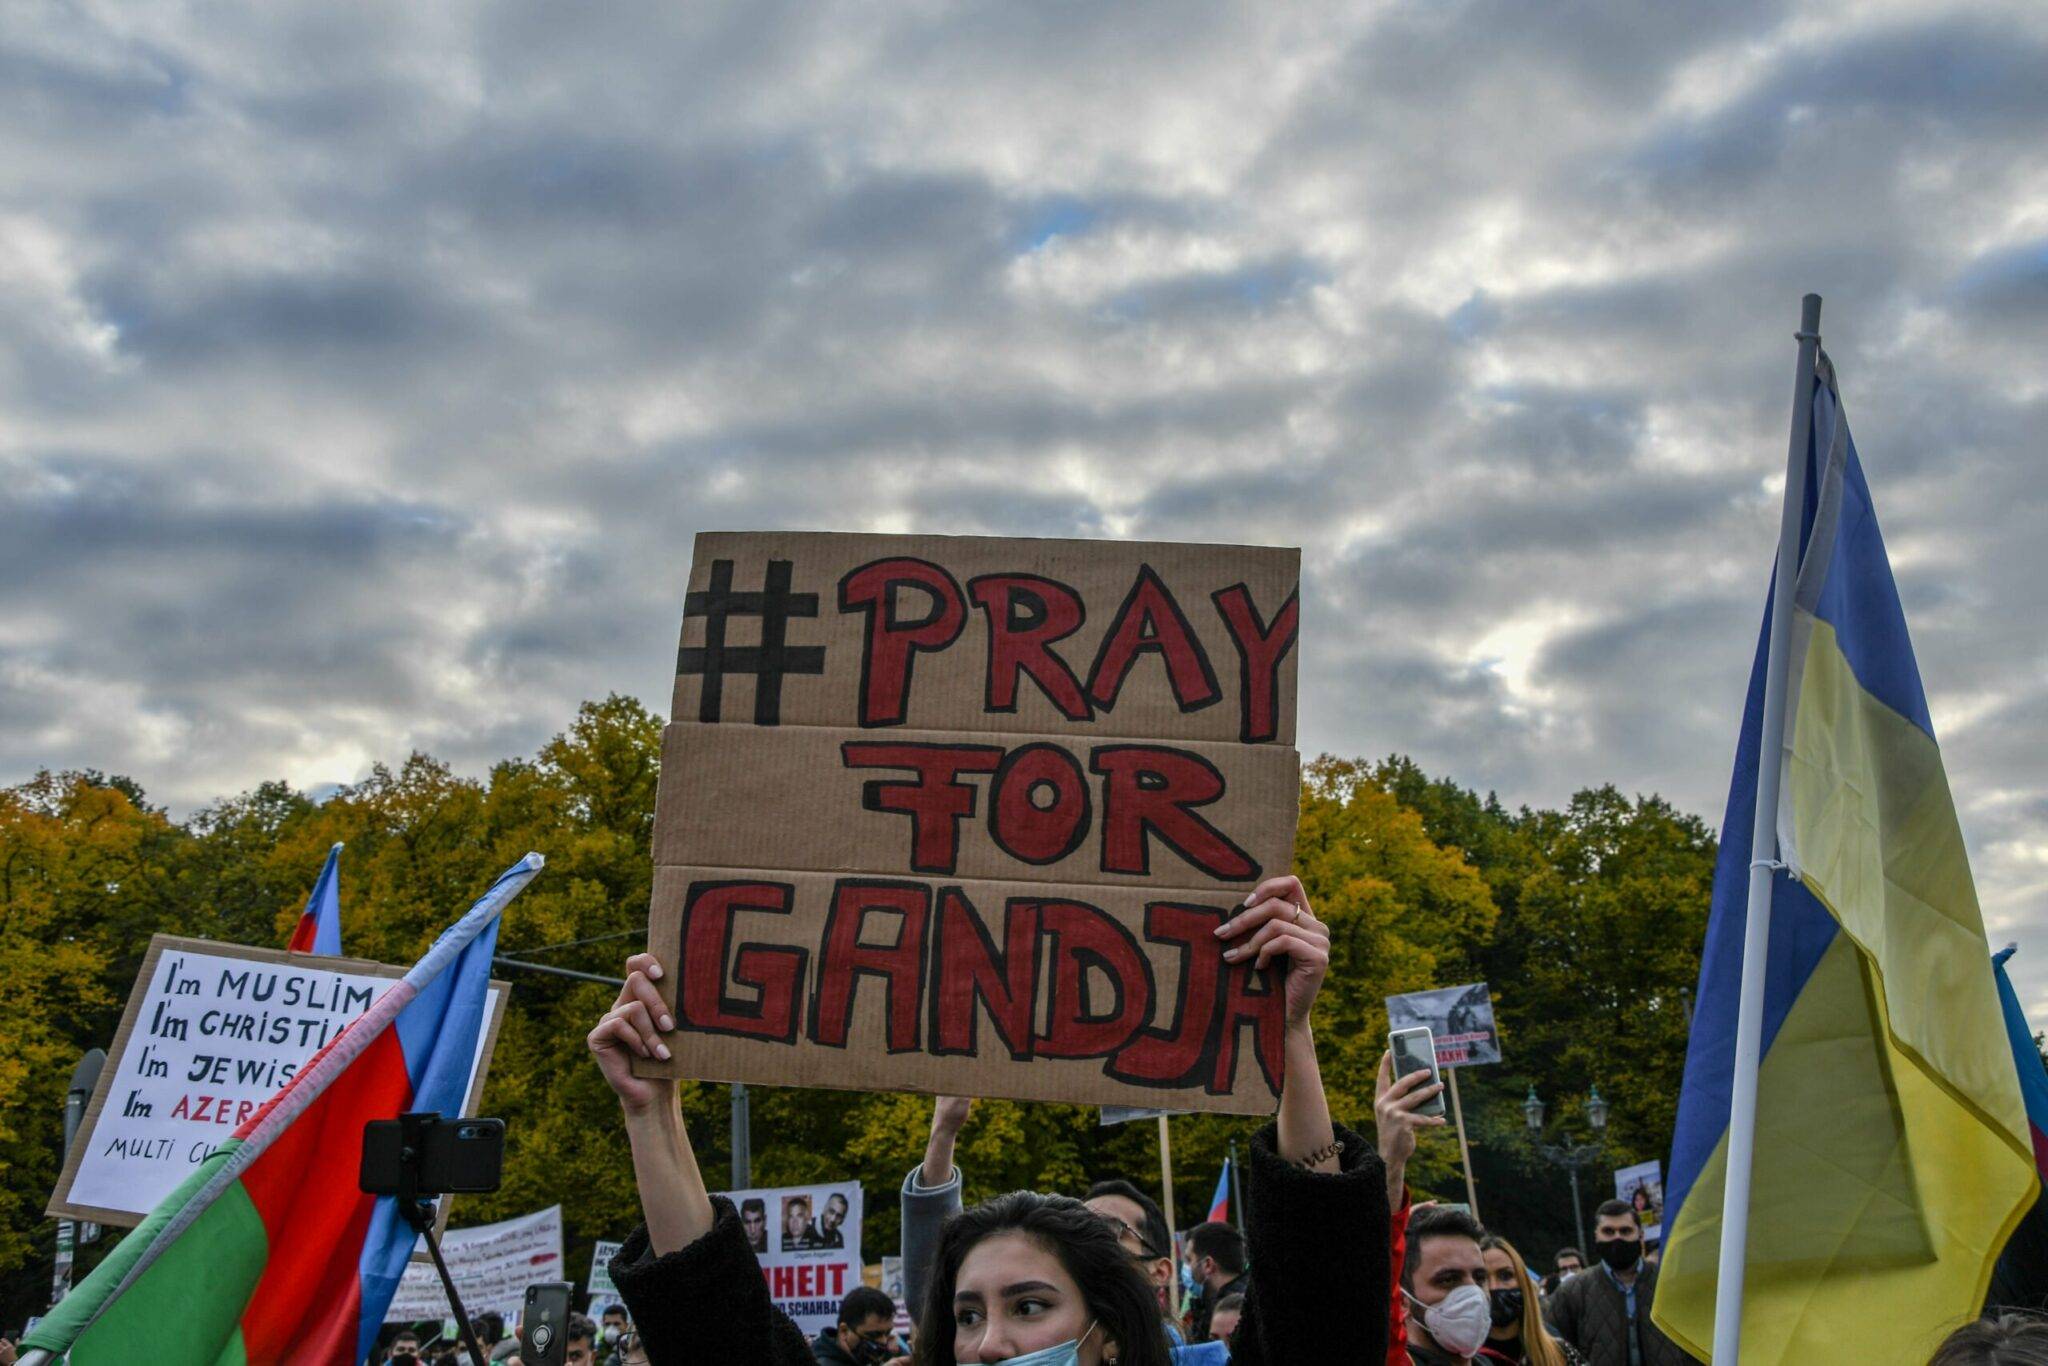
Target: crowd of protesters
1093, 1278
1087, 1278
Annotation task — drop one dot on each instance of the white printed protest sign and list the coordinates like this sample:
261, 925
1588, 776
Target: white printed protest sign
1460, 1020
602, 1291
211, 1032
491, 1265
808, 1241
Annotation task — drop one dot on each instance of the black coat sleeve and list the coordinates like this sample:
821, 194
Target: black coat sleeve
1319, 1257
707, 1302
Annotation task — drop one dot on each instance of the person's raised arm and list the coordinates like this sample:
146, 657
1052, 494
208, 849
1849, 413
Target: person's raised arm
1276, 922
931, 1196
949, 1114
672, 1195
1397, 1119
1315, 1216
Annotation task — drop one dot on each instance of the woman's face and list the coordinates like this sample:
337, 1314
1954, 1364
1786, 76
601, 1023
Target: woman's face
1500, 1275
1012, 1296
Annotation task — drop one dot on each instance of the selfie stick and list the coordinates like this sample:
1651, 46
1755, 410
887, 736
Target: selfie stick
418, 1210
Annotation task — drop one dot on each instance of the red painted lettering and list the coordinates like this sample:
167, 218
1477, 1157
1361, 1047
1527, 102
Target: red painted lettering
1265, 1010
1039, 807
703, 1003
894, 641
968, 975
1150, 621
844, 959
1026, 614
1090, 948
935, 803
1154, 790
1179, 1055
1261, 647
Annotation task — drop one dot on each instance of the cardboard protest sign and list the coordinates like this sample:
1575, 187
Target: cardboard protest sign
211, 1031
807, 1239
491, 1265
1643, 1187
1460, 1020
962, 814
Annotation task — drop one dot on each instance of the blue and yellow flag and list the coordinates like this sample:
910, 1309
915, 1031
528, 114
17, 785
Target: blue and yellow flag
1892, 1151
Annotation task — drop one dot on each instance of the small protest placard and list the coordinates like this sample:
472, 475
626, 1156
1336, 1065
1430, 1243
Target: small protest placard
1460, 1019
808, 1241
602, 1291
1643, 1187
491, 1265
962, 814
210, 1032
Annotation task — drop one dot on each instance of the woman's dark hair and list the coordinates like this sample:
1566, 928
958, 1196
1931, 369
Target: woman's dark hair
2008, 1340
1119, 1297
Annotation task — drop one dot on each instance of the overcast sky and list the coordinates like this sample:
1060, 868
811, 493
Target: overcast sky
365, 369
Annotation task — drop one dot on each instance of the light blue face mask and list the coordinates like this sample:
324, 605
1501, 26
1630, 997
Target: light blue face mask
1187, 1279
1064, 1354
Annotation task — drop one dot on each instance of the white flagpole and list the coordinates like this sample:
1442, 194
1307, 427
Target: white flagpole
1763, 864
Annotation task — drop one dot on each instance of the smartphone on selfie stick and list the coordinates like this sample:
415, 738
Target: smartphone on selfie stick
419, 1156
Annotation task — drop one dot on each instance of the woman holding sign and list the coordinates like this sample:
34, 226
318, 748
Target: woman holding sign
1031, 1278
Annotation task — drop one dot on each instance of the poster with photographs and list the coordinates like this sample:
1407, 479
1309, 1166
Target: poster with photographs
1459, 1018
1643, 1187
808, 1242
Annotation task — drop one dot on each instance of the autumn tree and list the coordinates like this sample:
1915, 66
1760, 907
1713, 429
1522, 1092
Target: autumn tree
1586, 920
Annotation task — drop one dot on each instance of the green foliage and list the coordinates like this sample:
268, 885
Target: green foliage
1587, 921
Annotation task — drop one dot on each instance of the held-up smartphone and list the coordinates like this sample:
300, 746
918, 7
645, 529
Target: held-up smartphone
457, 1155
1415, 1051
544, 1324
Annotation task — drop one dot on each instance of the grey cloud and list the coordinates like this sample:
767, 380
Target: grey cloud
436, 334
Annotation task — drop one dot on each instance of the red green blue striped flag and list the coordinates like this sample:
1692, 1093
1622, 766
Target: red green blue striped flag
268, 1252
319, 927
1219, 1203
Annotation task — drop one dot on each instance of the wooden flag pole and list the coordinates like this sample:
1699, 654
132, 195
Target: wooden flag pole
1464, 1151
1172, 1247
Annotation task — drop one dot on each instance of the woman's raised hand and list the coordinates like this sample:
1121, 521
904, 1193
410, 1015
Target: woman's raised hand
1276, 922
635, 1024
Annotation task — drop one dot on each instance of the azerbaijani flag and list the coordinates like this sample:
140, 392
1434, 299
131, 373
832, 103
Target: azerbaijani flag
268, 1252
1892, 1149
319, 927
1219, 1203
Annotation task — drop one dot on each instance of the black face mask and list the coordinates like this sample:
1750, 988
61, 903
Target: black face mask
868, 1353
1507, 1306
1620, 1254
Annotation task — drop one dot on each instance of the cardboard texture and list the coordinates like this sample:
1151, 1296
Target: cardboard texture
1028, 807
226, 1026
796, 645
960, 814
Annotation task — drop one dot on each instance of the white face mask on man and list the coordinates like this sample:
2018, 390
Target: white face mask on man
1459, 1321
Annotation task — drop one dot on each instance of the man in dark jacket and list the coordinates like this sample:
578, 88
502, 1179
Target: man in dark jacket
863, 1336
1604, 1311
1216, 1256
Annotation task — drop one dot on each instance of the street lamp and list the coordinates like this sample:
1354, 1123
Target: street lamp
1570, 1156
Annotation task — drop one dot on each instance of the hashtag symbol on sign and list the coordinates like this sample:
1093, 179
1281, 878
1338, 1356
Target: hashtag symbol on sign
769, 661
